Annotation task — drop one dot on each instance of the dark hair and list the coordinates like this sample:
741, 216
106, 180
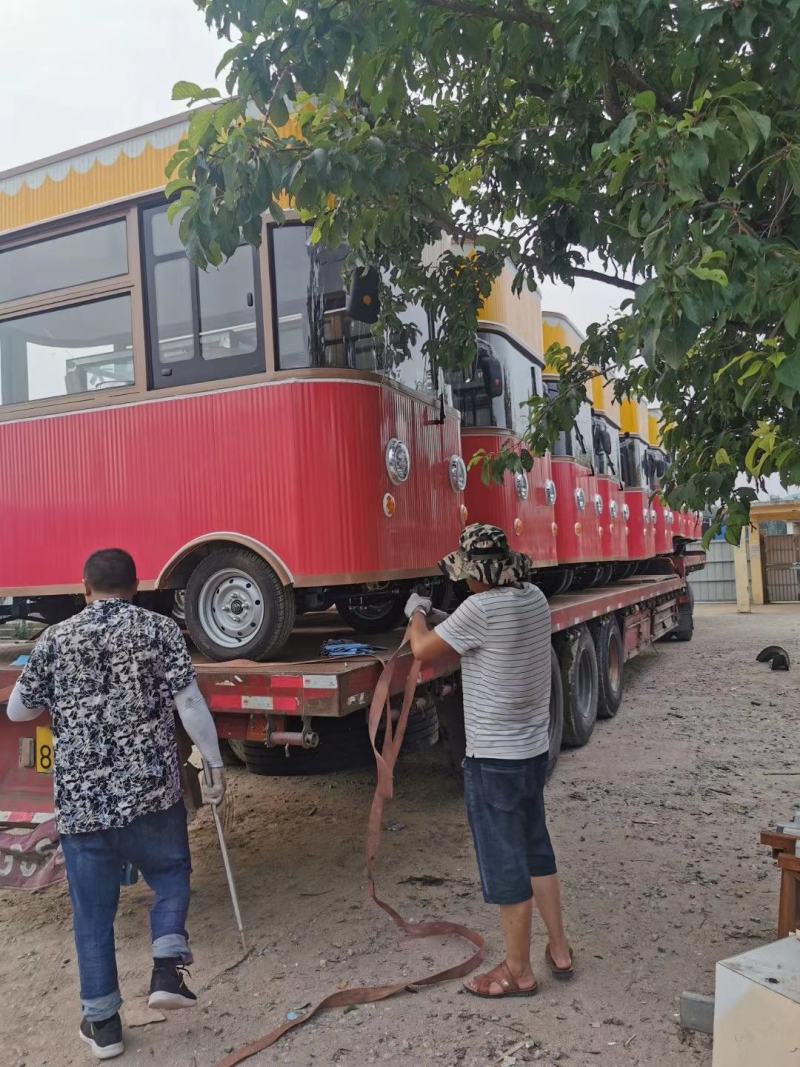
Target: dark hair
111, 570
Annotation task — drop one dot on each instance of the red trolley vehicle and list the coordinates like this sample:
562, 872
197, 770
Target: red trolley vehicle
247, 440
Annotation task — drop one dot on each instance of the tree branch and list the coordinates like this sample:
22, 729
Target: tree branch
609, 279
634, 80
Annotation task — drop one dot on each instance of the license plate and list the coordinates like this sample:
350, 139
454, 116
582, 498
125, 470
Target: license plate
45, 750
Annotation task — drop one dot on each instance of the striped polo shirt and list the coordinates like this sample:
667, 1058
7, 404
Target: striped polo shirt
503, 638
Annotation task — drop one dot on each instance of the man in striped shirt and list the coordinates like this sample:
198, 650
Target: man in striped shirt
502, 634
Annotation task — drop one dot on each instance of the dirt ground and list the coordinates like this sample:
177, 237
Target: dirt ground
655, 825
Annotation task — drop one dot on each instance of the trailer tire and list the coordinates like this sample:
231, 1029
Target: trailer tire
684, 631
343, 746
232, 752
268, 607
375, 621
556, 727
422, 731
610, 667
578, 661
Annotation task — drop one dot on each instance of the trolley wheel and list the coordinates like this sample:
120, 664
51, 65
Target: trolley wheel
555, 580
556, 728
624, 570
610, 667
236, 606
578, 661
685, 628
372, 615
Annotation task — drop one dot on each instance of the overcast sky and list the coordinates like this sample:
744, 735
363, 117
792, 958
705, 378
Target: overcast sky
73, 72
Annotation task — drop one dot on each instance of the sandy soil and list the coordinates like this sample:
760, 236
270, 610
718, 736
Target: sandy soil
655, 824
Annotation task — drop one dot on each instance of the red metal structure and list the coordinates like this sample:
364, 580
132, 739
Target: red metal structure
240, 433
305, 704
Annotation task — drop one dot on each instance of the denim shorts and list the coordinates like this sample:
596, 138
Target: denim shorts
505, 808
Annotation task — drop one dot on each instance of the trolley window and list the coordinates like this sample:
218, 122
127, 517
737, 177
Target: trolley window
62, 262
78, 349
202, 325
312, 327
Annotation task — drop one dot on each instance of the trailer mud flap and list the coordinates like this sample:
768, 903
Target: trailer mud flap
385, 760
30, 857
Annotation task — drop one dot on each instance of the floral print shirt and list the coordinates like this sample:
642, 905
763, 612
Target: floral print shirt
108, 677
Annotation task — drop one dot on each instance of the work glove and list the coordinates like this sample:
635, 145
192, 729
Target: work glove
417, 603
213, 790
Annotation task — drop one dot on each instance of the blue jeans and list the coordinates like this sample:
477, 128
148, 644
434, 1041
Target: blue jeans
505, 808
158, 844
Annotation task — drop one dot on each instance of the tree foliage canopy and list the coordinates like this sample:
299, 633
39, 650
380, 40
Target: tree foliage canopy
659, 137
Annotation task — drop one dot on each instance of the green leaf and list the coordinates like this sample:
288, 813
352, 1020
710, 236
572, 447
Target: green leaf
609, 16
176, 185
184, 90
621, 136
721, 458
789, 372
645, 101
710, 274
199, 125
792, 318
279, 112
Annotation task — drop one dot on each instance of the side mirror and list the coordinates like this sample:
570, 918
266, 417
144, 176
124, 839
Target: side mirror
363, 303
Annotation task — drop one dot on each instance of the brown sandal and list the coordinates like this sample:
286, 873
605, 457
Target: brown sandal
563, 973
502, 976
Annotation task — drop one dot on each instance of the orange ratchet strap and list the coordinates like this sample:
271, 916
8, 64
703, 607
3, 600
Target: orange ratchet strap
385, 760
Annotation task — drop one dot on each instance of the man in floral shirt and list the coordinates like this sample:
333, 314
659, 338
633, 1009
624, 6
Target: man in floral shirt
111, 678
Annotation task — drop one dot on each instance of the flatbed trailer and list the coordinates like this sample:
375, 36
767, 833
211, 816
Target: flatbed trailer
281, 705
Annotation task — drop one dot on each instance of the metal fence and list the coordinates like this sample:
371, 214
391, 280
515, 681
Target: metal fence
716, 583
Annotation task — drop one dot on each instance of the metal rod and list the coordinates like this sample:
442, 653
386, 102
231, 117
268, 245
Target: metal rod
226, 861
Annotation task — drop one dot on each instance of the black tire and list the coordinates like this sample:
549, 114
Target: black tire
232, 752
685, 628
555, 581
556, 729
610, 667
623, 571
372, 615
53, 609
343, 746
422, 731
237, 748
275, 601
578, 661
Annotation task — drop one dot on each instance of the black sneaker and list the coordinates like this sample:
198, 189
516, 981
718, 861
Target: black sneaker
168, 990
104, 1038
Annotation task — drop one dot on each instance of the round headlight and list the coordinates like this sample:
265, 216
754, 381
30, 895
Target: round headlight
458, 474
626, 512
521, 485
550, 493
398, 461
612, 507
598, 504
669, 517
580, 499
653, 516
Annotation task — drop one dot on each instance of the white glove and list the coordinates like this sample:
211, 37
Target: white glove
417, 603
213, 791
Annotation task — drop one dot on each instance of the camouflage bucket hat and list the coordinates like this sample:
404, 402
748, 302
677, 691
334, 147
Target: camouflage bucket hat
483, 554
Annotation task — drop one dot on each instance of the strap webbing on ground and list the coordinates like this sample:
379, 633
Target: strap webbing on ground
385, 760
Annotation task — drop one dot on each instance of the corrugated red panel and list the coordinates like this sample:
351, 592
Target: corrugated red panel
298, 466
